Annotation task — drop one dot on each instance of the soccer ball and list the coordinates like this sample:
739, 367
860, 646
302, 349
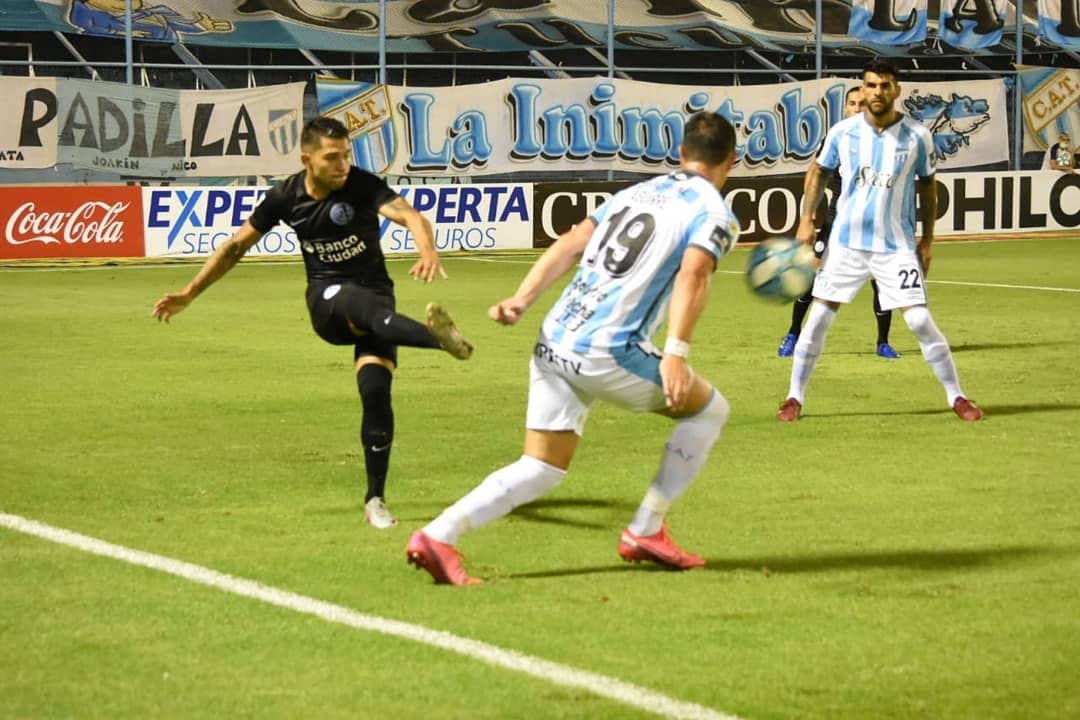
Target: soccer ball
781, 269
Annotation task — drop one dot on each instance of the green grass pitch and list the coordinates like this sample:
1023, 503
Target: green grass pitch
879, 559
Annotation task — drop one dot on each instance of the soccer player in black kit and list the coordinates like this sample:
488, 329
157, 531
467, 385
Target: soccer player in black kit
334, 206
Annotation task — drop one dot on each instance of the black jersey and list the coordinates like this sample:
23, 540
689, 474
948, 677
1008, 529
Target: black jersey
339, 236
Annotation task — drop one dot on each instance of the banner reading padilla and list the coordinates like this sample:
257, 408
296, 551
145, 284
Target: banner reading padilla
153, 132
28, 129
71, 222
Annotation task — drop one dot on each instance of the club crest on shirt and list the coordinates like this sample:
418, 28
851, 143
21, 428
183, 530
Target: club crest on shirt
342, 213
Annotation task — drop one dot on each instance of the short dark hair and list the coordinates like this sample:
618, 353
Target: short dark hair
708, 137
857, 88
880, 66
318, 128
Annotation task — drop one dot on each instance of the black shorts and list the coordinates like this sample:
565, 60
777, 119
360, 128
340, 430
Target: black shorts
340, 310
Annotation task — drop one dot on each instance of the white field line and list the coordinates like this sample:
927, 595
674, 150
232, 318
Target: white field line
565, 675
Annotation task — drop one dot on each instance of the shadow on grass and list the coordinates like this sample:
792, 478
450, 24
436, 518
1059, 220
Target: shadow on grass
943, 559
539, 511
930, 560
912, 351
972, 347
991, 411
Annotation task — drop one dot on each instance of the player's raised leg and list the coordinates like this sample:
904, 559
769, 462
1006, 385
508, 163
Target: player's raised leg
444, 330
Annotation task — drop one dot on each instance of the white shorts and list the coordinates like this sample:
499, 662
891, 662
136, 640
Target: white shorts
899, 276
563, 385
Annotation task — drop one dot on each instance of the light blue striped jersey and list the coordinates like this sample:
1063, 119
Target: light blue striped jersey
620, 293
876, 209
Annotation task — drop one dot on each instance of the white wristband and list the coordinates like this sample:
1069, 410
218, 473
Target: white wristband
675, 346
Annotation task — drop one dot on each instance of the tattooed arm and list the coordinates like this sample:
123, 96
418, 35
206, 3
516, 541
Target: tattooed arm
222, 261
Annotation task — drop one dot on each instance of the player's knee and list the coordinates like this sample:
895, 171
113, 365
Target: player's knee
377, 429
713, 417
717, 411
373, 382
919, 320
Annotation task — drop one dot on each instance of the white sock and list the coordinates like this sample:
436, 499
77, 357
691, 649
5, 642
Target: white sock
685, 454
500, 492
808, 348
935, 348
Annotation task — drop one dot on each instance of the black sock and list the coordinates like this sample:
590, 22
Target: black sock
402, 330
883, 317
377, 428
798, 313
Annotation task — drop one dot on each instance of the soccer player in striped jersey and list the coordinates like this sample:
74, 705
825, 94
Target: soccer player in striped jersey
884, 158
853, 105
646, 256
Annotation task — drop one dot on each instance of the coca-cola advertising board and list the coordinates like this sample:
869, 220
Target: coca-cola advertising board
71, 222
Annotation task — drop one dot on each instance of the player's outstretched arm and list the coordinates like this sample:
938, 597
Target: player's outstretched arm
688, 298
404, 214
220, 262
555, 261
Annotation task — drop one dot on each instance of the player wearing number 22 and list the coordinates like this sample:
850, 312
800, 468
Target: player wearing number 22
883, 157
646, 256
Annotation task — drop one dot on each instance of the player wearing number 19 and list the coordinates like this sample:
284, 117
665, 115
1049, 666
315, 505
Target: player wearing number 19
652, 247
883, 158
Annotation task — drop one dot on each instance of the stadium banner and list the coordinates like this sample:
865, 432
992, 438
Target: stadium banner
148, 132
1059, 22
28, 132
972, 25
968, 126
1051, 104
194, 221
153, 132
418, 26
969, 204
71, 222
888, 22
540, 125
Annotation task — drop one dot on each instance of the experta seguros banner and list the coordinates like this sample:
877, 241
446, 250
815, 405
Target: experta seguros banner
193, 221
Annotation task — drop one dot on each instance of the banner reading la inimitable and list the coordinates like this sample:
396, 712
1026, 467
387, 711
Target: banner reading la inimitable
612, 124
